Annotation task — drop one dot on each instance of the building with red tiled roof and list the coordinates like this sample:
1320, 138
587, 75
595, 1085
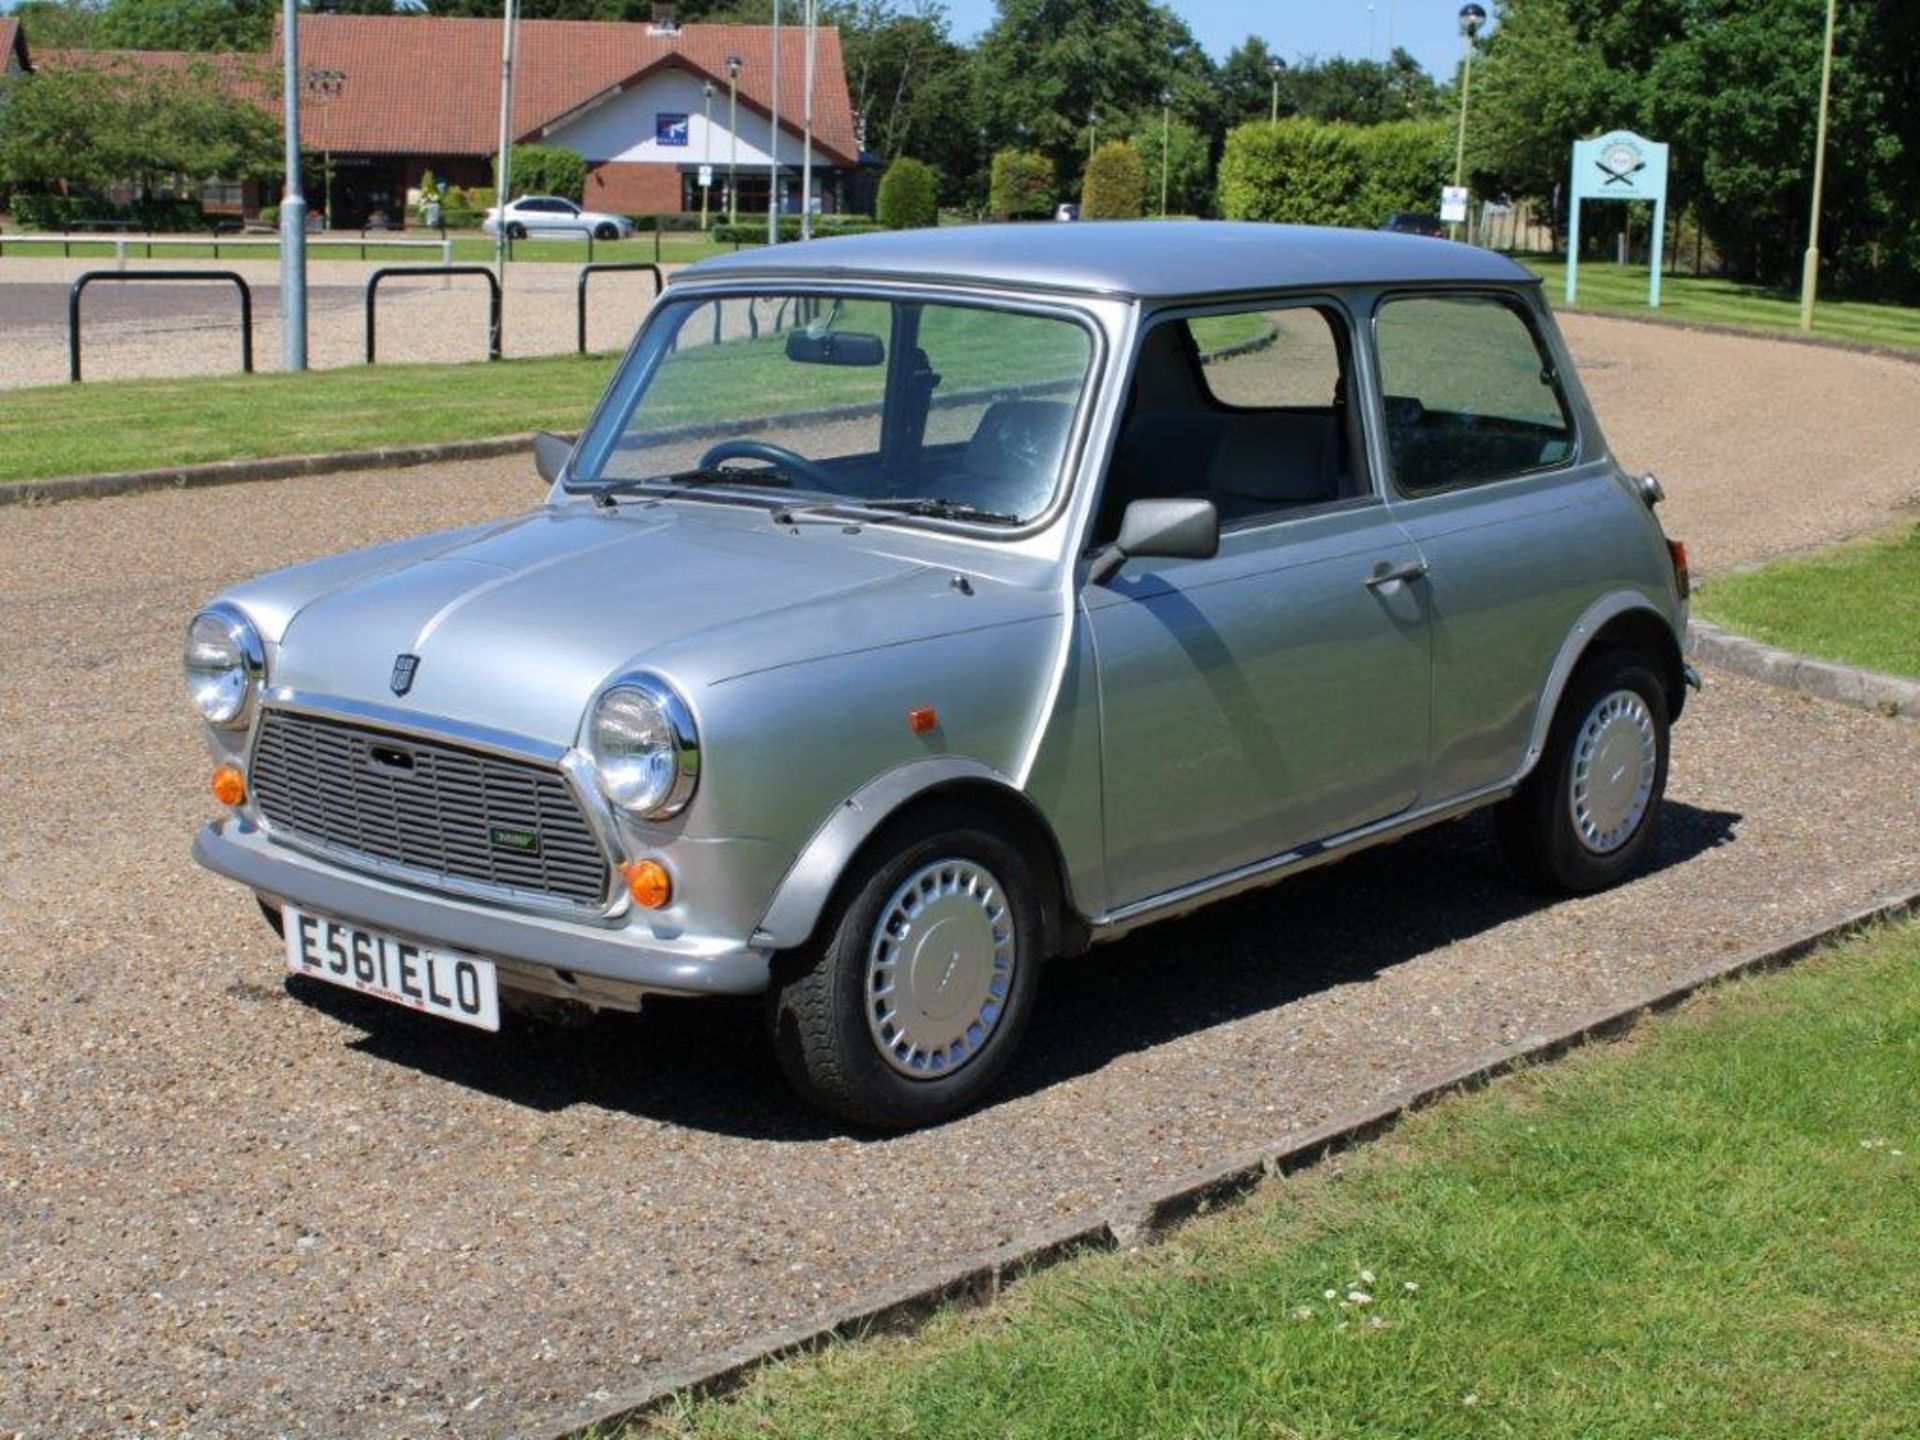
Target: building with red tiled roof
13, 48
391, 97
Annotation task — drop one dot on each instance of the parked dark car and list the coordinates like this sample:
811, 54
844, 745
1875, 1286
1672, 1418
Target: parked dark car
1412, 222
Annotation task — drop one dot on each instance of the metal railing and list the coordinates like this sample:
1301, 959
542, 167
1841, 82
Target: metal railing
88, 277
603, 268
121, 241
493, 298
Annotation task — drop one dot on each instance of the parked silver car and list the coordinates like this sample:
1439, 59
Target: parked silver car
554, 214
914, 608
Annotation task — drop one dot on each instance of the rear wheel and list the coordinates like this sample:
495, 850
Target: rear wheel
1583, 819
516, 231
908, 1008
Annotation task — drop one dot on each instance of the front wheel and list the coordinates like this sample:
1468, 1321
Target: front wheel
909, 1008
516, 231
1585, 816
606, 232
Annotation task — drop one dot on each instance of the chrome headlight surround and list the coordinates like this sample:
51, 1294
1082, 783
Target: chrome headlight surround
640, 736
225, 661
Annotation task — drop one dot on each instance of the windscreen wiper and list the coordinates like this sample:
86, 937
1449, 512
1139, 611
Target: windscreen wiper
935, 508
767, 477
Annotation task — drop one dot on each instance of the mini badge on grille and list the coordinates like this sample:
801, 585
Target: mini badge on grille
521, 842
403, 668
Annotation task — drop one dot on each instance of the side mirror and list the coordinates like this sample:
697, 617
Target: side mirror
1167, 529
550, 452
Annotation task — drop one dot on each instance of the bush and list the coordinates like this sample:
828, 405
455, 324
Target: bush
754, 232
1021, 186
548, 170
269, 214
1299, 172
41, 211
480, 197
460, 217
909, 197
1116, 184
669, 221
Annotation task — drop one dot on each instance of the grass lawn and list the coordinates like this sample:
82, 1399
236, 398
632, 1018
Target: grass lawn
1727, 302
1858, 603
1706, 1230
111, 425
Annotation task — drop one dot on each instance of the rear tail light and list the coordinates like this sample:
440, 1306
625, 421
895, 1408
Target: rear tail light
1677, 552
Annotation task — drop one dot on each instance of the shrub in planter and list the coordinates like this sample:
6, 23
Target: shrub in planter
909, 195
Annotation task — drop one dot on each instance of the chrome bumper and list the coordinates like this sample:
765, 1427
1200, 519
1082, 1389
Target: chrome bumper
685, 965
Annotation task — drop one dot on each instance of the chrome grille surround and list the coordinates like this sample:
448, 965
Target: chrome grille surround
429, 811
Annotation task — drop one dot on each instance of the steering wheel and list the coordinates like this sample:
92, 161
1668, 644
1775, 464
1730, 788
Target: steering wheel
818, 477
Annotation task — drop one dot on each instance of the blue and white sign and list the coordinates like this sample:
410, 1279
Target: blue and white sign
1618, 166
669, 129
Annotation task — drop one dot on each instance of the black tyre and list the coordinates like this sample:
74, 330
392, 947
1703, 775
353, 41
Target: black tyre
1583, 819
606, 232
516, 231
908, 1005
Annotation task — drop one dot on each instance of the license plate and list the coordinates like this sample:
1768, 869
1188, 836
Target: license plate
446, 983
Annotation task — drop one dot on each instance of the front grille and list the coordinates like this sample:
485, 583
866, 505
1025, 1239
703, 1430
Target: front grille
441, 811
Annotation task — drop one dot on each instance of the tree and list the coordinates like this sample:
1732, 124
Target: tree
909, 196
1022, 185
186, 24
1045, 66
1246, 83
1189, 172
1360, 92
59, 24
1540, 88
1116, 184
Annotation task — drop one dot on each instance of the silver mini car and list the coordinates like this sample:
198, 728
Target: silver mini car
916, 607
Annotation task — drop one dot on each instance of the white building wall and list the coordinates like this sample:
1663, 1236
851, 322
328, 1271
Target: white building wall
624, 128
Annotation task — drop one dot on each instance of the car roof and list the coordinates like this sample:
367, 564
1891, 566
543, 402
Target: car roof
1149, 260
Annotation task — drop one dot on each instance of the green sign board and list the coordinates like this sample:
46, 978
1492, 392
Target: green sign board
1618, 166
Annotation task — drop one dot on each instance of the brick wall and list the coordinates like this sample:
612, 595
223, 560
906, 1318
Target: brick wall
626, 188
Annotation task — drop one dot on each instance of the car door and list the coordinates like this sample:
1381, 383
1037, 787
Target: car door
1277, 694
1486, 475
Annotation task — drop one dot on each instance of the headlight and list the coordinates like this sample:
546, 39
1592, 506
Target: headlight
224, 661
641, 740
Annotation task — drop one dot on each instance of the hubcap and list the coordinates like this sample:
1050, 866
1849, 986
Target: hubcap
1614, 759
940, 968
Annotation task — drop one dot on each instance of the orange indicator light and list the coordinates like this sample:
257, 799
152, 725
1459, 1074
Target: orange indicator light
922, 719
1682, 576
649, 884
229, 785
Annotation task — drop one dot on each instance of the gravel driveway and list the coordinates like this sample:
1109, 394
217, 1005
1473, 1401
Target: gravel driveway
226, 1210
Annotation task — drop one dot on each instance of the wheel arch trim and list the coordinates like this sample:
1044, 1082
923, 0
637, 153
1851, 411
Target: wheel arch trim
809, 884
1593, 622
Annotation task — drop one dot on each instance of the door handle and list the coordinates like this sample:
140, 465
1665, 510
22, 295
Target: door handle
1386, 573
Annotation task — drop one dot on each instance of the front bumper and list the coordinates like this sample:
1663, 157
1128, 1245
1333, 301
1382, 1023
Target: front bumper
682, 965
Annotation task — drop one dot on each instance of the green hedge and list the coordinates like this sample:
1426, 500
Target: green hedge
548, 170
57, 212
754, 232
1304, 172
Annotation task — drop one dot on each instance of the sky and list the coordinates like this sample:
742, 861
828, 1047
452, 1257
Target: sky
1429, 29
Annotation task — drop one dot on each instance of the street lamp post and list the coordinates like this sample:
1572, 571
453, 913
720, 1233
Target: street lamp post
323, 87
812, 16
503, 166
733, 131
1275, 67
706, 148
1093, 131
773, 141
293, 212
1810, 266
1166, 140
1472, 17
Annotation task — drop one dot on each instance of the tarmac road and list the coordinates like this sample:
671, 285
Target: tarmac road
233, 1207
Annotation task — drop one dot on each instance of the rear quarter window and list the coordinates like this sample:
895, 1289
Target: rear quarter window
1469, 392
